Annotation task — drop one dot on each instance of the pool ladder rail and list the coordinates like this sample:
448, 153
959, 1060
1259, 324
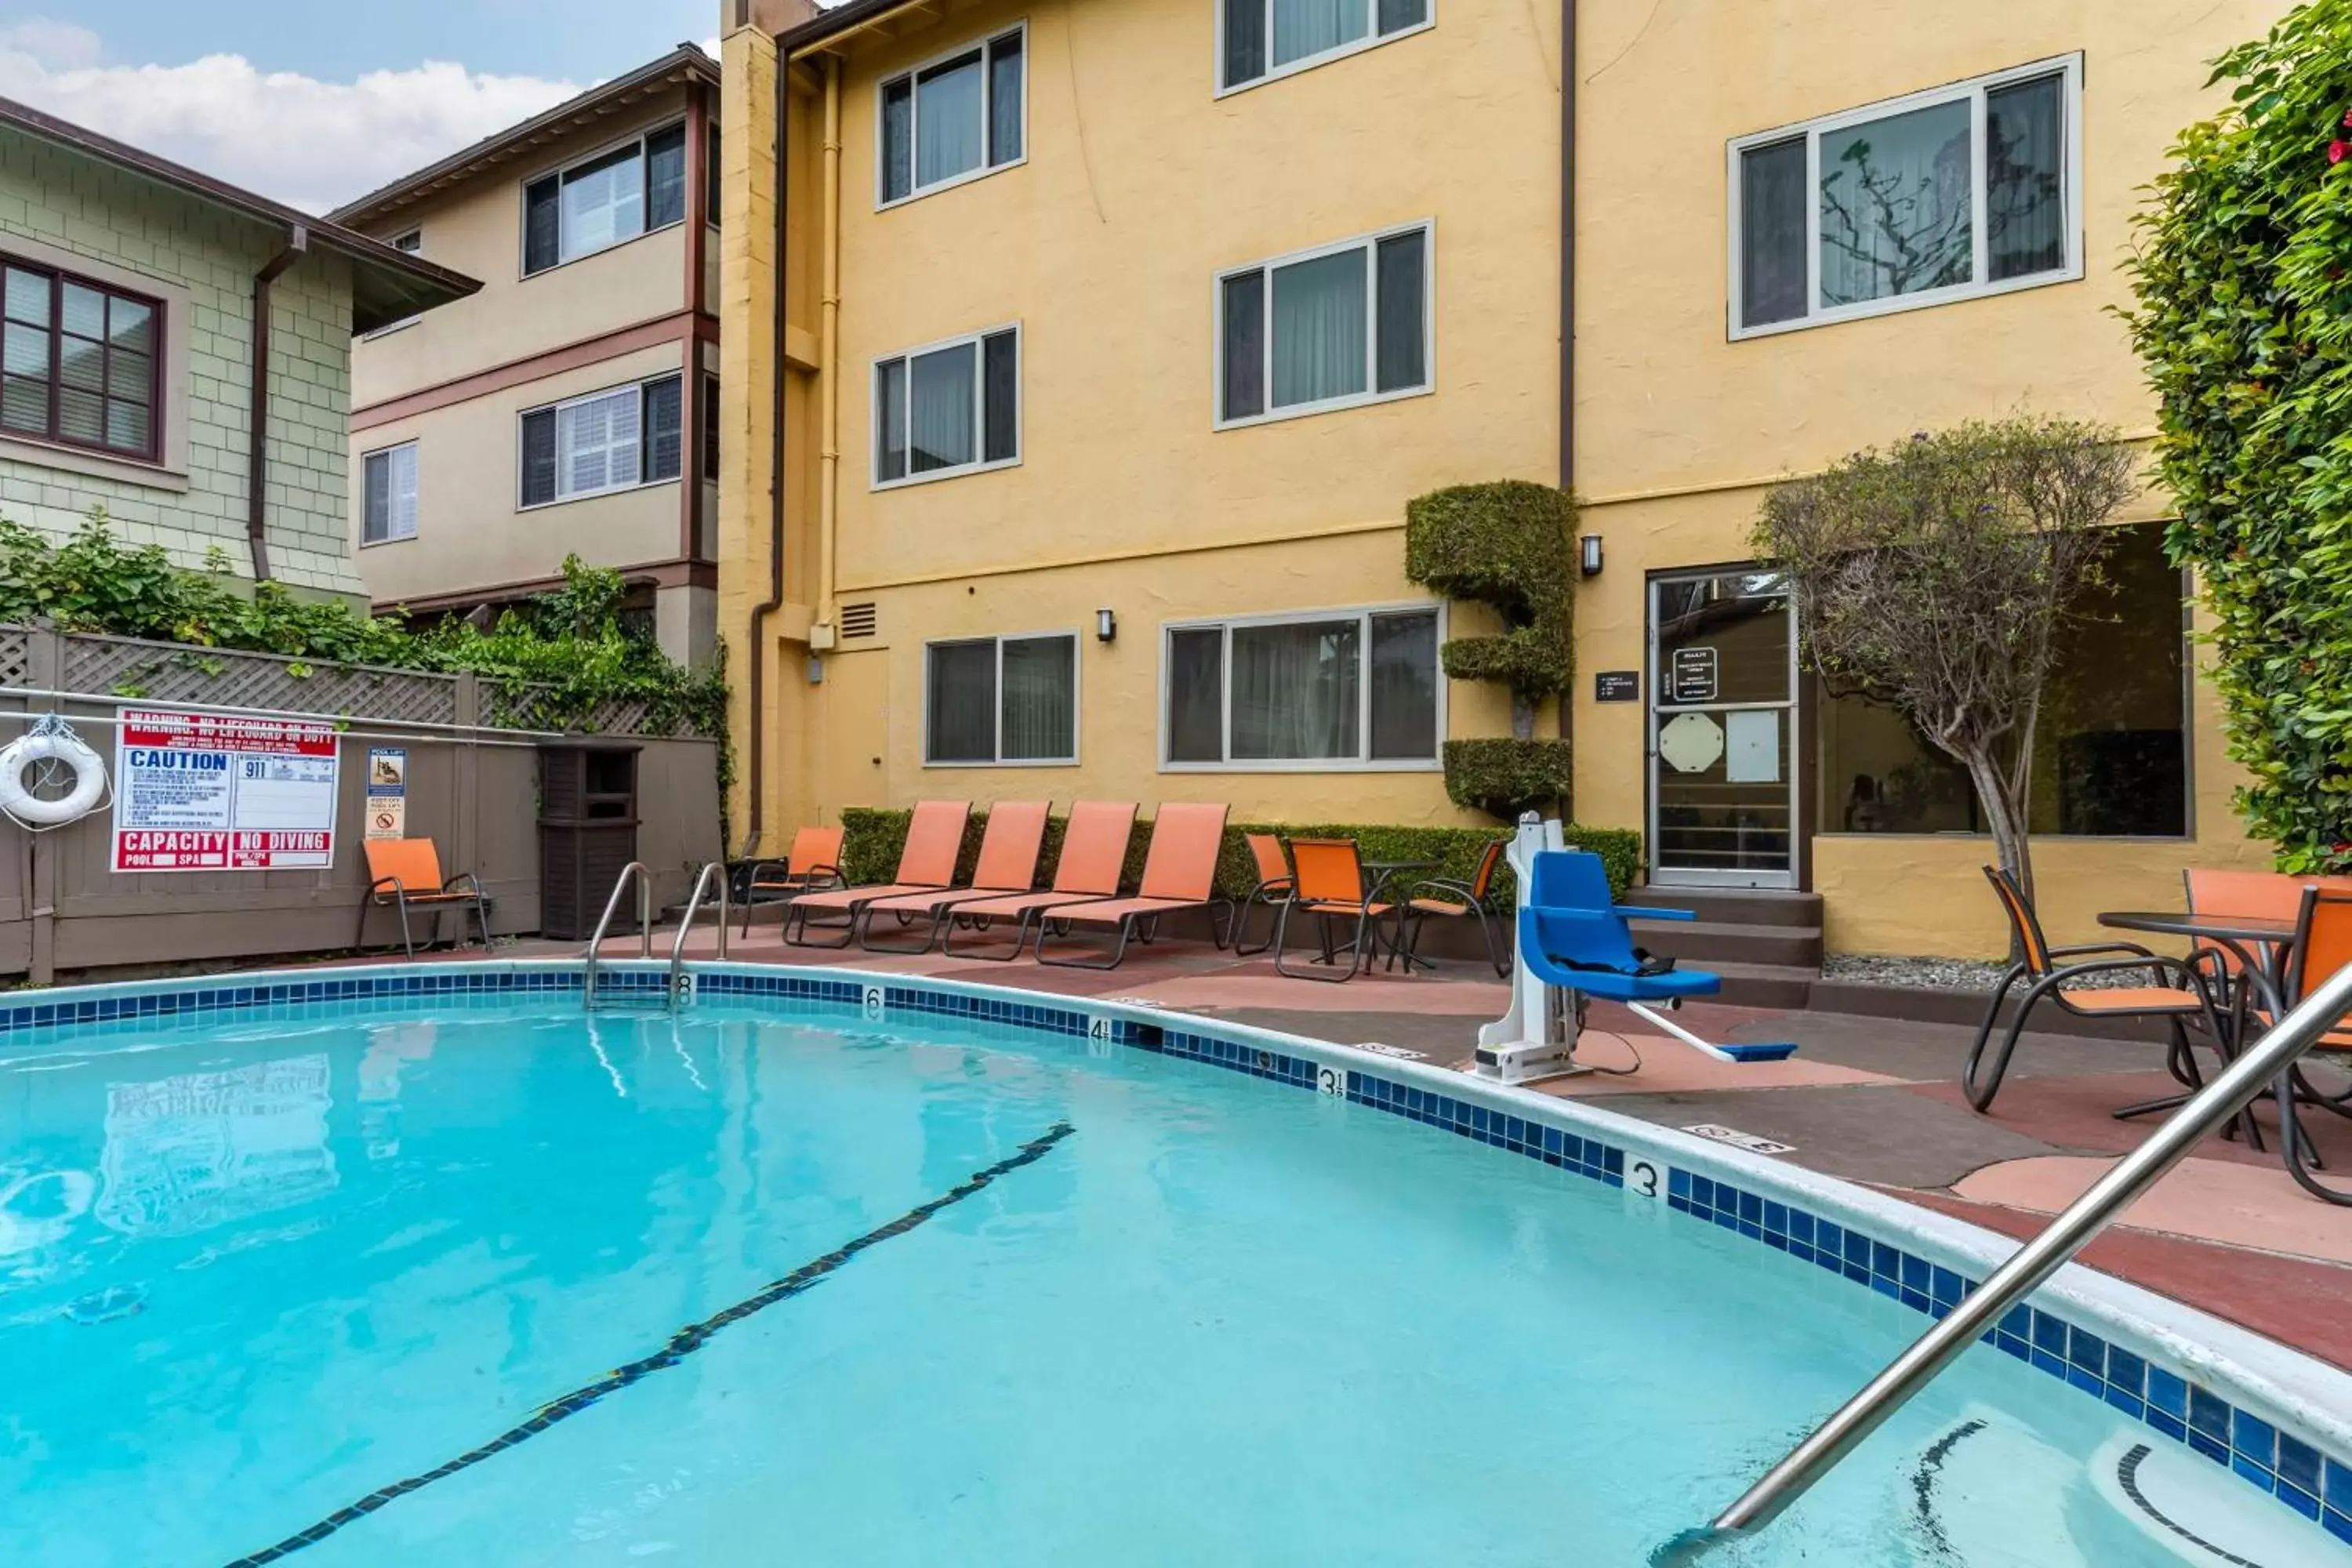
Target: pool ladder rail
712, 874
2267, 1062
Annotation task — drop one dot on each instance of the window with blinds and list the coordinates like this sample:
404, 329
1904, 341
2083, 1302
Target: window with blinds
604, 441
390, 510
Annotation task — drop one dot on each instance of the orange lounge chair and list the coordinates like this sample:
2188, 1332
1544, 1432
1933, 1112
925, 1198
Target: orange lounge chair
926, 865
1180, 873
406, 874
1009, 849
2323, 944
812, 863
1094, 853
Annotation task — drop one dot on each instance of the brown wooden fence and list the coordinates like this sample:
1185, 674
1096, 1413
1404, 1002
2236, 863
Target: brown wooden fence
473, 788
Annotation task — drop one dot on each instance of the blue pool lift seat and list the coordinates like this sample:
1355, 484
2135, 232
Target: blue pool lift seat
1573, 935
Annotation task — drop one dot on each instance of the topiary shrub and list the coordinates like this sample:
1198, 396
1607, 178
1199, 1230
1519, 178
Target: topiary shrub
2245, 323
1505, 545
1507, 777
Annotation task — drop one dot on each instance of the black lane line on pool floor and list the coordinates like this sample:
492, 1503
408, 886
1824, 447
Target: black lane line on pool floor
681, 1344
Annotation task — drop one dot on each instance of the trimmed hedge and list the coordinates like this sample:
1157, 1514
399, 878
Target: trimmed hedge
872, 837
1503, 544
1504, 777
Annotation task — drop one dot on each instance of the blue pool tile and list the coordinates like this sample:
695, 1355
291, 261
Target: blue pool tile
2208, 1414
1801, 1226
2254, 1439
2302, 1501
2049, 1335
2298, 1464
2218, 1452
1678, 1184
2336, 1493
2089, 1352
2130, 1404
2126, 1370
2171, 1426
2170, 1394
1776, 1218
2247, 1470
2338, 1525
1946, 1287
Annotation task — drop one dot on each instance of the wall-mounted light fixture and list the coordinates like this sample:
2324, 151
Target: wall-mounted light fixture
1588, 554
1106, 626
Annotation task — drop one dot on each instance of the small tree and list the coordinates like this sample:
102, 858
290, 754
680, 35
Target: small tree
1933, 576
1505, 545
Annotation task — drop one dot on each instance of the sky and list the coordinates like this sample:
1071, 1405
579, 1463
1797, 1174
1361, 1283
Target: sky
315, 103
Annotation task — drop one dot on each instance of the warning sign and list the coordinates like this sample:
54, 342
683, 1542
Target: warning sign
210, 792
387, 793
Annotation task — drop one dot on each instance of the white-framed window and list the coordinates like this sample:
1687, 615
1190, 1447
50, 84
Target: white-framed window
948, 408
389, 510
1334, 327
954, 117
1317, 691
603, 441
1009, 701
1258, 40
605, 198
1956, 191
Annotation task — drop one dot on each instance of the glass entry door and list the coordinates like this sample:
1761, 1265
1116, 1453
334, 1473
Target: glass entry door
1723, 731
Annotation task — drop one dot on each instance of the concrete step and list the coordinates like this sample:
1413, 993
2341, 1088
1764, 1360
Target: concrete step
1703, 944
1735, 905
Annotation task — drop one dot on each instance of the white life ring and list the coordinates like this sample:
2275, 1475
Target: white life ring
23, 754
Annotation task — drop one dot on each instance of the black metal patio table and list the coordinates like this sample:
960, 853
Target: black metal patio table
2262, 944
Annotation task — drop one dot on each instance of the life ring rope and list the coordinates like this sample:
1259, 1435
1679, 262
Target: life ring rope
33, 759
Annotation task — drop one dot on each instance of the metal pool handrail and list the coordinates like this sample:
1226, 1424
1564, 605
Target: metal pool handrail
612, 906
693, 906
2269, 1060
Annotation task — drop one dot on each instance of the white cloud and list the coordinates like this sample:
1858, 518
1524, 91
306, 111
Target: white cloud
310, 143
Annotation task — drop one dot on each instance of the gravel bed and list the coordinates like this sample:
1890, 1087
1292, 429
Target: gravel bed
1915, 974
1959, 973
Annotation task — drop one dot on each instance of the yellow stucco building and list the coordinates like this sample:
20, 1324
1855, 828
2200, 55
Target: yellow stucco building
1116, 335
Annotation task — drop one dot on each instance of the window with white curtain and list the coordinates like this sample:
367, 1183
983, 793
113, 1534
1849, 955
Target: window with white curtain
1330, 328
388, 510
948, 408
604, 441
1961, 191
1326, 691
1001, 701
1260, 39
953, 119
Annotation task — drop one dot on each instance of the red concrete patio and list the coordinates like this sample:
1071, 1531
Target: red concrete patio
1867, 1099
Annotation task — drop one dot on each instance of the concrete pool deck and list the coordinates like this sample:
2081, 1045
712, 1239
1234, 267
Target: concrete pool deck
1870, 1100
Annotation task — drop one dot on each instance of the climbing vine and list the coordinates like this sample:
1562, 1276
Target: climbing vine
1505, 545
2244, 323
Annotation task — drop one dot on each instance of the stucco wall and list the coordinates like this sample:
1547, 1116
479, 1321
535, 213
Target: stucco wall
1140, 186
204, 258
1681, 429
477, 227
471, 530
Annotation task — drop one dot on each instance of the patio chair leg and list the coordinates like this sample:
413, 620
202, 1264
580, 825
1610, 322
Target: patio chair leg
1324, 922
1981, 1095
406, 945
359, 936
2291, 1140
1117, 953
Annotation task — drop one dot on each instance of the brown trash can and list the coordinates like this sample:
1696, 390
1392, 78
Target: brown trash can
587, 833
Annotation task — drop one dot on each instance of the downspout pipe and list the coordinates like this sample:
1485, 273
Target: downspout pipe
821, 636
256, 504
1568, 298
756, 648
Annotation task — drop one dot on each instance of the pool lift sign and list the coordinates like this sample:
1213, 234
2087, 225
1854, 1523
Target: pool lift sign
224, 792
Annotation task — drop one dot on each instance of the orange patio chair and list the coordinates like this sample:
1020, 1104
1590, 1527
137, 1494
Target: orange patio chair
814, 862
1452, 900
1094, 853
1009, 847
1329, 884
406, 874
1180, 875
1272, 864
2323, 945
2184, 1001
926, 865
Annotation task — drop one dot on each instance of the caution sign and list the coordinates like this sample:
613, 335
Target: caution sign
387, 793
211, 792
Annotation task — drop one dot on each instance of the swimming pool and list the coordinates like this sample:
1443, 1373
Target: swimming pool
356, 1267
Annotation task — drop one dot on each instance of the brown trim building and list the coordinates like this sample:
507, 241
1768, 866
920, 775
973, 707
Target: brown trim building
570, 409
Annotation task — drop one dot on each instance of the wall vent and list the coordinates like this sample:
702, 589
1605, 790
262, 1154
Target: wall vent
858, 620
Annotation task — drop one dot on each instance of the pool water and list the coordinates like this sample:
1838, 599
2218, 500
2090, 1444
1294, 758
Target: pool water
252, 1274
